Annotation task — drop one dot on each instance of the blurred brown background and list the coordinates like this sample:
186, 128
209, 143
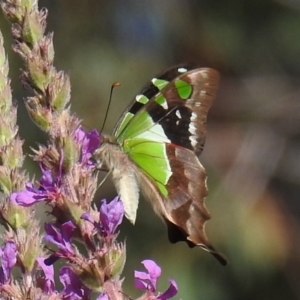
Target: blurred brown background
253, 143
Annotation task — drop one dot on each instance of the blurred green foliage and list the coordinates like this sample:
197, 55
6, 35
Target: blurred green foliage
253, 144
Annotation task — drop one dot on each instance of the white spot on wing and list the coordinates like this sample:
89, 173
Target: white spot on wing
177, 122
153, 80
192, 128
164, 104
193, 116
182, 70
193, 140
178, 114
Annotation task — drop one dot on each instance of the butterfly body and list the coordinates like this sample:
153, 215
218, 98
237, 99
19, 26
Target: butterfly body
155, 148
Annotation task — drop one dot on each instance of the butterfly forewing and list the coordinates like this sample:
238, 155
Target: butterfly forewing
149, 91
178, 113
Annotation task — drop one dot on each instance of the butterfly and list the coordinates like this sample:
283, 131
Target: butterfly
155, 147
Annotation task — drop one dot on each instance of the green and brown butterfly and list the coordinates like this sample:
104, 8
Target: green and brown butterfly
155, 148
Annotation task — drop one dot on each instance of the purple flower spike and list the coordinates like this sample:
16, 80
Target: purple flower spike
8, 255
148, 280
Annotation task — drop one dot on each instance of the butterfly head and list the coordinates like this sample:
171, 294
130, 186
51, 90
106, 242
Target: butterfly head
101, 156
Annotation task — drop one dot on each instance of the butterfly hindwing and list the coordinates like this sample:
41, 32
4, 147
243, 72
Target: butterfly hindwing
187, 193
178, 199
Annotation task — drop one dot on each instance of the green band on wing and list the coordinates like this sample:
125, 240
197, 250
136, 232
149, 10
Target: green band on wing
159, 83
152, 158
128, 116
162, 101
139, 124
162, 188
184, 89
142, 99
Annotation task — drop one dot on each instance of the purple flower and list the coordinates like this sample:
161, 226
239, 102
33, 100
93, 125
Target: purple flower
48, 190
8, 255
147, 281
89, 141
103, 296
110, 217
46, 281
30, 196
73, 288
62, 239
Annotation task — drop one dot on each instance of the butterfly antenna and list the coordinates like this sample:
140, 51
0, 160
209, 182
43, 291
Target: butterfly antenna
107, 174
115, 84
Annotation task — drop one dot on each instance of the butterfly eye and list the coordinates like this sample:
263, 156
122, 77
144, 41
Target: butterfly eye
101, 157
97, 160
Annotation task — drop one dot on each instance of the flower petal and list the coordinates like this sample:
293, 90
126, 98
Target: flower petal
170, 292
